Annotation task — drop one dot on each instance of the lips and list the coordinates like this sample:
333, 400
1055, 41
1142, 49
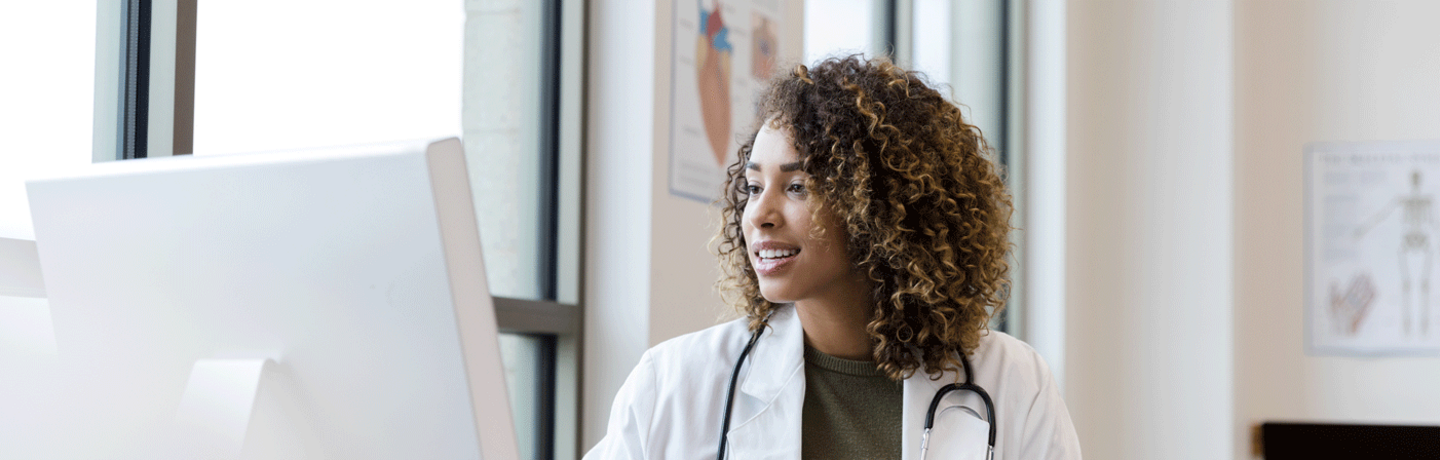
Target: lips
771, 258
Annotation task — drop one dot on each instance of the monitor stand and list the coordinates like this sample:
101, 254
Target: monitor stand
241, 409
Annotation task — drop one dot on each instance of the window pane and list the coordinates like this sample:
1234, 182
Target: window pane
529, 376
840, 27
325, 73
45, 117
932, 36
502, 127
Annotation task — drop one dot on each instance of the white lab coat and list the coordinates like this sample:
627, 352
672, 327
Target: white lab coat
672, 405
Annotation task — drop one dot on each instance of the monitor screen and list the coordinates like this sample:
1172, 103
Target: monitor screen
328, 303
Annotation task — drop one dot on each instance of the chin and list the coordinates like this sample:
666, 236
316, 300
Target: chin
775, 294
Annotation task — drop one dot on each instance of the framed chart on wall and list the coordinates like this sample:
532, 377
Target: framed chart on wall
1372, 240
723, 52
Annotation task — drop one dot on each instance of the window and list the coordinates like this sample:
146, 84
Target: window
843, 27
326, 72
45, 122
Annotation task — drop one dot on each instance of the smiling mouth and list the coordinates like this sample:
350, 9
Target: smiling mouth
776, 254
772, 262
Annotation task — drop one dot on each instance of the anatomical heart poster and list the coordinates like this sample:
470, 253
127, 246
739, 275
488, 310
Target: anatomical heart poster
1372, 237
723, 53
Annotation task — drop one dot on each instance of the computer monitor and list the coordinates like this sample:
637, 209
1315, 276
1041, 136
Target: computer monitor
327, 303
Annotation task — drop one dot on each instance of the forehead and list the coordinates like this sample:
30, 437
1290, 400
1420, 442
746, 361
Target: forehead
773, 147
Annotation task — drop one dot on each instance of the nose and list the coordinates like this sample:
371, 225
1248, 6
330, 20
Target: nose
763, 210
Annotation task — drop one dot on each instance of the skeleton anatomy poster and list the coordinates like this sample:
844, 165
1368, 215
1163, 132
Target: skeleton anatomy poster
1372, 232
724, 52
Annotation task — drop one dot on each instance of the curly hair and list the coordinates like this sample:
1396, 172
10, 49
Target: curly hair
923, 205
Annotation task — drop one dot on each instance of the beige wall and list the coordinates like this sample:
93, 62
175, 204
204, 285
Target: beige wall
1319, 71
1148, 228
1185, 125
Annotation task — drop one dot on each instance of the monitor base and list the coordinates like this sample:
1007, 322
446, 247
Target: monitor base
241, 409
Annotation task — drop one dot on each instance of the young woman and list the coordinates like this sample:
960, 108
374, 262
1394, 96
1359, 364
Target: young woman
865, 239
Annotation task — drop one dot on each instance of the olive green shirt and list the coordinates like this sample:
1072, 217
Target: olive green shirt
852, 411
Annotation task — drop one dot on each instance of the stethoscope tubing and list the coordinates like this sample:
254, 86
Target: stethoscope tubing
967, 385
730, 394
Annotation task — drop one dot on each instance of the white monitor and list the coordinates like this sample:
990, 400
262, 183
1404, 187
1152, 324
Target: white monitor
312, 304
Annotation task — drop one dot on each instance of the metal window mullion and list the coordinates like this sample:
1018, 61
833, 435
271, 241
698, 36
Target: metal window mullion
1007, 158
1017, 157
545, 397
887, 29
134, 80
184, 112
549, 148
522, 316
549, 200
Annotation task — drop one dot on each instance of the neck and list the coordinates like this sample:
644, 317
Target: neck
835, 324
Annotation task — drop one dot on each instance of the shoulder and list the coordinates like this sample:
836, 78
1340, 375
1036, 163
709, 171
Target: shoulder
699, 363
1037, 423
701, 351
1007, 362
682, 380
999, 345
666, 402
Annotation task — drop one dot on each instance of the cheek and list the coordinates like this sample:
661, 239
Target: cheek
833, 242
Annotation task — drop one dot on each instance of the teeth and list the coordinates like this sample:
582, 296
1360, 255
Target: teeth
777, 253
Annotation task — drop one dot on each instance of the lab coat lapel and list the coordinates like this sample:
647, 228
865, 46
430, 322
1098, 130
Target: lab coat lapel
767, 417
956, 434
768, 409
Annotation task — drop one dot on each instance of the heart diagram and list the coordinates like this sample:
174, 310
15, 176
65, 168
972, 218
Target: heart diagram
713, 53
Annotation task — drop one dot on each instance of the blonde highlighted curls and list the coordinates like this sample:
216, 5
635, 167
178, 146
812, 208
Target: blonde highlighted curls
925, 210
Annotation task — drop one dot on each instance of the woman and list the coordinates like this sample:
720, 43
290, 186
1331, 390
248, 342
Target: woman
865, 239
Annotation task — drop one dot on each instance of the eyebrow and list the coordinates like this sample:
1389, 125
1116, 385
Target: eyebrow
787, 167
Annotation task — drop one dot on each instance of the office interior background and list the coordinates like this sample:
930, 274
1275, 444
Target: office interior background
1154, 149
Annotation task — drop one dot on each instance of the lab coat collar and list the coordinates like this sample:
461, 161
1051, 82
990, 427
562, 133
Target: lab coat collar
774, 432
782, 347
780, 352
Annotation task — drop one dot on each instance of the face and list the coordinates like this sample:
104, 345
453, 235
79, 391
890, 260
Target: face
792, 261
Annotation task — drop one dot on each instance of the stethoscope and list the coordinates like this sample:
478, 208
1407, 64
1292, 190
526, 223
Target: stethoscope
968, 385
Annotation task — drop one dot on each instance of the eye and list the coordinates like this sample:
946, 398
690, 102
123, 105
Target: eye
796, 188
751, 189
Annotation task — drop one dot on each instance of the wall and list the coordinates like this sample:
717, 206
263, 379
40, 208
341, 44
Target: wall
649, 276
617, 209
1318, 71
1148, 228
1184, 258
